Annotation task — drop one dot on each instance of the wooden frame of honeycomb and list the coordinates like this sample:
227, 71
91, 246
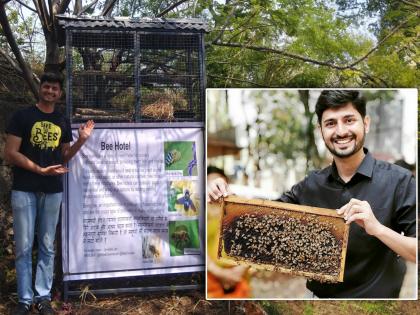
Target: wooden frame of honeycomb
293, 239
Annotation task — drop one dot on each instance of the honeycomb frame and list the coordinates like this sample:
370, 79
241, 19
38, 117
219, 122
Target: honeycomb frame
234, 208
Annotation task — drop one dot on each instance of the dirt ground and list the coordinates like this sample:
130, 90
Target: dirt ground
193, 303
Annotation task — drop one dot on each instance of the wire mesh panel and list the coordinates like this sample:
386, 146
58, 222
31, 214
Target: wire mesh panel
118, 75
169, 77
103, 76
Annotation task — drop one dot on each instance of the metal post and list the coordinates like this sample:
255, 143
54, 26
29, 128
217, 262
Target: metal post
203, 83
66, 291
137, 91
69, 65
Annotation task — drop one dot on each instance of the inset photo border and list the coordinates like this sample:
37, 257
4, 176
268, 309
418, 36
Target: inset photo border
312, 194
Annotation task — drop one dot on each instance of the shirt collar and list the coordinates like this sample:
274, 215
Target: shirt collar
365, 168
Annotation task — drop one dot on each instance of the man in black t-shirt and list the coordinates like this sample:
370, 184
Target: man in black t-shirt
378, 197
38, 146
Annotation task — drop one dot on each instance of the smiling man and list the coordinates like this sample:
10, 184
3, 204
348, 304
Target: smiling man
377, 198
38, 146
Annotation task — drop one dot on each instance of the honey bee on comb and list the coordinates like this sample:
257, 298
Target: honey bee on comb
298, 244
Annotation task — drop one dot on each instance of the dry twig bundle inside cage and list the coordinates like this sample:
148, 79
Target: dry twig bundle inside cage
294, 239
161, 110
162, 105
86, 113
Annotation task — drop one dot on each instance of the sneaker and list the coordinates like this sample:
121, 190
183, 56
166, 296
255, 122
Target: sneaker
44, 308
22, 309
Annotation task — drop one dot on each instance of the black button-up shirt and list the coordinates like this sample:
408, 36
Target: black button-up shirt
372, 270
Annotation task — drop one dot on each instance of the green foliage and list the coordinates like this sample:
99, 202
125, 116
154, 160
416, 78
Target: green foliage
393, 70
272, 308
24, 27
281, 127
378, 307
309, 308
329, 32
311, 29
281, 131
12, 14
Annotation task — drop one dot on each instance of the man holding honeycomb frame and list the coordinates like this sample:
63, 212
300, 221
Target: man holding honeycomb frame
379, 198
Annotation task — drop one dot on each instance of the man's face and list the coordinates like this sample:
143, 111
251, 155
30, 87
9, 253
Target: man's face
343, 130
50, 92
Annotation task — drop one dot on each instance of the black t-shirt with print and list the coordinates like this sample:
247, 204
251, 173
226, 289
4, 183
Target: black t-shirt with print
42, 137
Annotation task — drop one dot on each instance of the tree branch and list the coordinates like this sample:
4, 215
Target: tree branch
238, 80
370, 77
87, 7
44, 22
10, 61
44, 12
392, 32
228, 19
27, 72
244, 29
109, 5
51, 14
62, 65
170, 8
15, 66
63, 6
26, 6
282, 52
410, 3
314, 61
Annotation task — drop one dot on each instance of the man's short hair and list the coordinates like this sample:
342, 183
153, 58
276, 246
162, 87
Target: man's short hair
337, 98
53, 77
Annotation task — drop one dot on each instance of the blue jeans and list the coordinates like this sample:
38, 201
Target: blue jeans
34, 212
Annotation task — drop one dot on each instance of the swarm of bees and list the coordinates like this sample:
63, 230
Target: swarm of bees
181, 237
172, 157
303, 244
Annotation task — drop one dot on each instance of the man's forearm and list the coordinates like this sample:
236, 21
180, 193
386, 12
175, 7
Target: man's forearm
18, 159
403, 245
72, 150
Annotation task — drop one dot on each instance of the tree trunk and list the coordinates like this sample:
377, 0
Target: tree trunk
52, 56
311, 151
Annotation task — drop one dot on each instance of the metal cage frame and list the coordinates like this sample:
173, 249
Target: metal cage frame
174, 33
176, 29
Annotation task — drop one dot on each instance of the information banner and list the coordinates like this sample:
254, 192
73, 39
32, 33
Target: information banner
134, 203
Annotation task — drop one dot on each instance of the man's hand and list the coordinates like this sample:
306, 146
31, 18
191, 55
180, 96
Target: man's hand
53, 170
216, 189
360, 212
85, 130
14, 157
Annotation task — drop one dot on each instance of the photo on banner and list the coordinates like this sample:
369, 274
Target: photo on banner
183, 197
